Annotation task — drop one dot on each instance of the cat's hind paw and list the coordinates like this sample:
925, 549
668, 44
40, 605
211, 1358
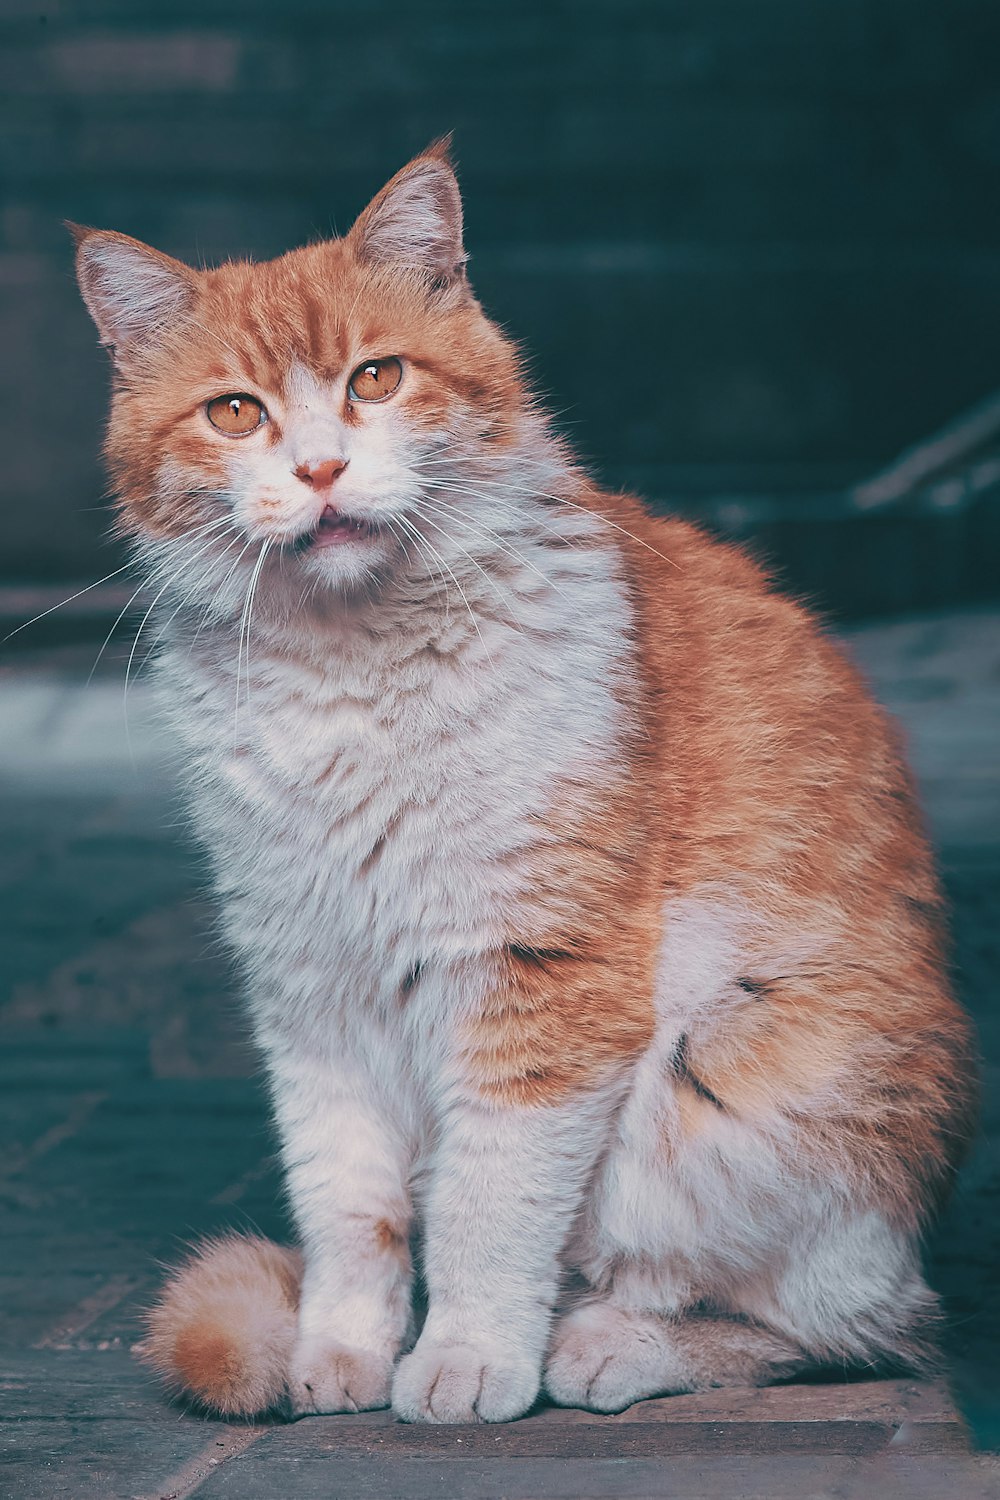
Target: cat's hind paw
603, 1360
452, 1382
330, 1377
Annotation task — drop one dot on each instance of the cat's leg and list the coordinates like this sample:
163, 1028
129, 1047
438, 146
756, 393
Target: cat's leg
606, 1357
506, 1184
845, 1288
347, 1166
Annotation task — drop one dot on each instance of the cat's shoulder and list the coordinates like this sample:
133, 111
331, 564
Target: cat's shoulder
674, 559
705, 598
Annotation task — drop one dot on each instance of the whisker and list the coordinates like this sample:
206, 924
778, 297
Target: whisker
157, 573
245, 631
207, 611
502, 486
436, 575
623, 530
431, 556
78, 595
471, 488
191, 595
239, 556
186, 599
505, 547
131, 656
461, 591
502, 595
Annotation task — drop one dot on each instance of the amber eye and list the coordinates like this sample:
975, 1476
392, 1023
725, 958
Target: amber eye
375, 379
236, 415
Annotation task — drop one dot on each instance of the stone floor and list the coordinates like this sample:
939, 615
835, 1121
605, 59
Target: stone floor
133, 1121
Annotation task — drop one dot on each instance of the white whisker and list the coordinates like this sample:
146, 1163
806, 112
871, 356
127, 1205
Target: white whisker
157, 573
478, 525
219, 591
431, 556
189, 596
174, 575
437, 577
79, 594
454, 580
502, 595
499, 487
245, 632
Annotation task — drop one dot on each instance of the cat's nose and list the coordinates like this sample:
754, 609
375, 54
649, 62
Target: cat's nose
320, 476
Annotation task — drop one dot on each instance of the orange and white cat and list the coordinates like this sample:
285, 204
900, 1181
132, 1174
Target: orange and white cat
590, 937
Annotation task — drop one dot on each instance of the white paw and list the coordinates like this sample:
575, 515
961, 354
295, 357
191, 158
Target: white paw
331, 1377
451, 1382
604, 1360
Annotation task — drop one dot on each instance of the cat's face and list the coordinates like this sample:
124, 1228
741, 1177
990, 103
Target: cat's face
301, 407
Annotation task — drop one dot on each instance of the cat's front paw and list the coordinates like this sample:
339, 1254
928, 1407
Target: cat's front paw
452, 1382
330, 1377
604, 1360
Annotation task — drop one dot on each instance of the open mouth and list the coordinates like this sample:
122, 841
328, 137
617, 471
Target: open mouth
333, 529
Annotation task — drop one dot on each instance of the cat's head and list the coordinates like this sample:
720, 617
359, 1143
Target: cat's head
304, 402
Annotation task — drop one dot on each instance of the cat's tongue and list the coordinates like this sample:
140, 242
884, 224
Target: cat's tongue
334, 528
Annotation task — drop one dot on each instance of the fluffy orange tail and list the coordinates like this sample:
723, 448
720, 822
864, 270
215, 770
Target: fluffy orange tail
223, 1329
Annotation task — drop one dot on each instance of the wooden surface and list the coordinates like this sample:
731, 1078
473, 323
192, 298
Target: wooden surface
132, 1121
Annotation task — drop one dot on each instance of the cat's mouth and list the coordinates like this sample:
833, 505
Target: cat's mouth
333, 529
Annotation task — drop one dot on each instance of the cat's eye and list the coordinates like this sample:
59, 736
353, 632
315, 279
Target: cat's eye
236, 415
375, 379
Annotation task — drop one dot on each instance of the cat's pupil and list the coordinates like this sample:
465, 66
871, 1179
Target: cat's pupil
234, 407
372, 370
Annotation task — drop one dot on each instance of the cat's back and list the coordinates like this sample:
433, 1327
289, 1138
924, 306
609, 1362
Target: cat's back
790, 839
772, 755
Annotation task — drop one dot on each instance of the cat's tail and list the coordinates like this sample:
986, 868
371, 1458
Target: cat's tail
222, 1332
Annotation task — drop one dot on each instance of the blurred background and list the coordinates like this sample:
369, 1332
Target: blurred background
785, 214
753, 250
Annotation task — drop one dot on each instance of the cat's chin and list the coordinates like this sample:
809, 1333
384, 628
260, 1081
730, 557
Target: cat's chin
352, 562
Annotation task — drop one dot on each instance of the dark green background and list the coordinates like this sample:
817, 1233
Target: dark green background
752, 245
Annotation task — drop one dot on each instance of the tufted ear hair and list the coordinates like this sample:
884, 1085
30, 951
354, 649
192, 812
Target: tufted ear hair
416, 220
132, 292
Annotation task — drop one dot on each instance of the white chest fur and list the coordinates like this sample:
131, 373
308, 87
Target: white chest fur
374, 803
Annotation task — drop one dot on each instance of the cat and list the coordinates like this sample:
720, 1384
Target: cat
590, 936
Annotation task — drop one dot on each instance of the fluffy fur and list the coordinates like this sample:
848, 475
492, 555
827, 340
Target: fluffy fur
589, 932
223, 1331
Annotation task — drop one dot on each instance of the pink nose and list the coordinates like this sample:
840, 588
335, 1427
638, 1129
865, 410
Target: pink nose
321, 476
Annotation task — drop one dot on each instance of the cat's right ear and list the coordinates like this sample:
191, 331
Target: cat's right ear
132, 292
416, 220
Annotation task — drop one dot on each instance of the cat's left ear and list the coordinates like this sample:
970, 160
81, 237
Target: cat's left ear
416, 220
133, 292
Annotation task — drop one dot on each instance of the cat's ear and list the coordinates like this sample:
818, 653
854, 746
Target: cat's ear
132, 292
416, 220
